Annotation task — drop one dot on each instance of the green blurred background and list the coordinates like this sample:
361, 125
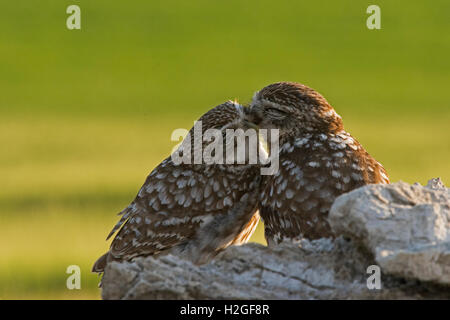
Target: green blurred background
86, 114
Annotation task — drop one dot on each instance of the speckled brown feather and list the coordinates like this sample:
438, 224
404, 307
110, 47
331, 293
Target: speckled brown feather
318, 160
192, 210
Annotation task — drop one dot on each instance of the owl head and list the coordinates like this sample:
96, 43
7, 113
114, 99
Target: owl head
293, 108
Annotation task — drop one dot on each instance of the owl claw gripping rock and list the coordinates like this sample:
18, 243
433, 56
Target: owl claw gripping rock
192, 209
319, 161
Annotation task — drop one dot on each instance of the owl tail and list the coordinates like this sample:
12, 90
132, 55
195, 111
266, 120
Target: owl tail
100, 264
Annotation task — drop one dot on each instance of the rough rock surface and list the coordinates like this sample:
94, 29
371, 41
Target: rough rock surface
403, 229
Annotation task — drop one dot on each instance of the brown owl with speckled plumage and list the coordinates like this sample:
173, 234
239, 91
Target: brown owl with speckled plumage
194, 209
318, 159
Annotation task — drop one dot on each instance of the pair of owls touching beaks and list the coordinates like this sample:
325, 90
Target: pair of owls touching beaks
197, 210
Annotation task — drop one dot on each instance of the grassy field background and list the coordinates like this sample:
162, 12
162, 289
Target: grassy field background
86, 114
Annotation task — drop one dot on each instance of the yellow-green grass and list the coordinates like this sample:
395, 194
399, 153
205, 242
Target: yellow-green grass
64, 180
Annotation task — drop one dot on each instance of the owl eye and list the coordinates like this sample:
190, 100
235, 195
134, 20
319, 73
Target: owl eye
276, 112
